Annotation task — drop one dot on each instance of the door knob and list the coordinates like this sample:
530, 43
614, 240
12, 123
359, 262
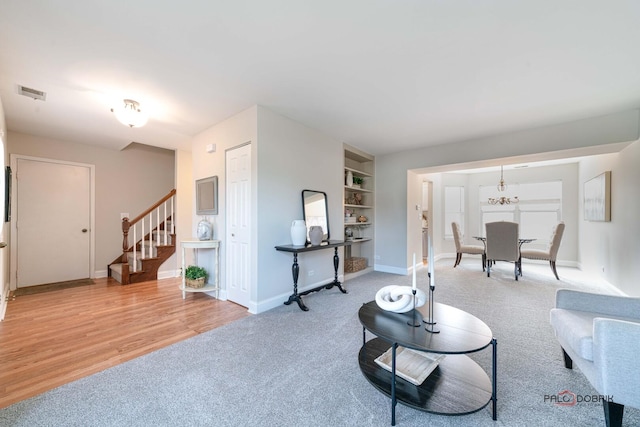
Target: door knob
3, 244
84, 230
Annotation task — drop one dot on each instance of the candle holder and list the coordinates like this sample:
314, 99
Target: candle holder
414, 322
431, 324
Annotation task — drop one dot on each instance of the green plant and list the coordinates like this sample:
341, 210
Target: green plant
194, 272
357, 180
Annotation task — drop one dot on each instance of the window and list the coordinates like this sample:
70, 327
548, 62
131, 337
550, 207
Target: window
538, 212
453, 209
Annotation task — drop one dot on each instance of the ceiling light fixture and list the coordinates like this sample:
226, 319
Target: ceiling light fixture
130, 114
502, 200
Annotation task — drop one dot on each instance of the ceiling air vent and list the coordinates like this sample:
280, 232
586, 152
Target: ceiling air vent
32, 93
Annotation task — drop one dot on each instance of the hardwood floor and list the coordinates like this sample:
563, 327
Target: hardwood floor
52, 338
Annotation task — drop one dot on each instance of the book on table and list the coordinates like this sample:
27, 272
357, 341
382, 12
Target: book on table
411, 365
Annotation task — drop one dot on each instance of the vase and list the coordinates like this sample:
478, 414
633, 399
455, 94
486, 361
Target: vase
298, 232
315, 235
205, 230
349, 181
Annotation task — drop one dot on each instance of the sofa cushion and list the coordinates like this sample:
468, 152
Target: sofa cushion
575, 329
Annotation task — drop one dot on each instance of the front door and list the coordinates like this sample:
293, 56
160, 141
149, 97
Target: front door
53, 210
238, 234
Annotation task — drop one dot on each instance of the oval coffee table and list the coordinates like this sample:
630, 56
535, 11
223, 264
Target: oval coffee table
457, 386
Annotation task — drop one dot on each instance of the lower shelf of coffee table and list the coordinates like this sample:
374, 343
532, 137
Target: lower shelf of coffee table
457, 386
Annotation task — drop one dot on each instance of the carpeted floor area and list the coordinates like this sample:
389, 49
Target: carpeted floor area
287, 367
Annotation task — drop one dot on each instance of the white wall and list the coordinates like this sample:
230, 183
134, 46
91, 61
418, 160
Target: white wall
291, 158
287, 158
235, 131
5, 228
612, 249
391, 182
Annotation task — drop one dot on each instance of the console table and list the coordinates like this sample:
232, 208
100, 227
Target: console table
195, 245
295, 268
457, 386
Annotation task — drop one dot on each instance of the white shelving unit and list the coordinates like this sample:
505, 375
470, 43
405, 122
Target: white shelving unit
196, 245
359, 201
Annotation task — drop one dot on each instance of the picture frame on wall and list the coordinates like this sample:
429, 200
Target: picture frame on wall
207, 196
597, 198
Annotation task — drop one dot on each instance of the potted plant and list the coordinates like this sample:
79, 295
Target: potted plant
357, 181
195, 276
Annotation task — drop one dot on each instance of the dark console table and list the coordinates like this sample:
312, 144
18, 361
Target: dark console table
295, 268
457, 386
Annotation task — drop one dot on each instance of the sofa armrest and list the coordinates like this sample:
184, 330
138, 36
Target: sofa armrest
609, 305
616, 344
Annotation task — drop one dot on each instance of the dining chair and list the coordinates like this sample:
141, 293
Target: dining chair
461, 248
551, 252
502, 245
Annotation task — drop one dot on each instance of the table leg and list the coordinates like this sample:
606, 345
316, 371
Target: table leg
336, 264
494, 389
394, 347
295, 271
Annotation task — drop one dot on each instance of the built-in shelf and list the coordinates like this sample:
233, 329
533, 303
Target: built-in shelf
359, 164
357, 190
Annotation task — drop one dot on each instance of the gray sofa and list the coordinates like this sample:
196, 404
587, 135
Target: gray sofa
601, 335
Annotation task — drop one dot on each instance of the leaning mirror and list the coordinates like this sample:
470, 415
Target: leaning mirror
207, 196
315, 211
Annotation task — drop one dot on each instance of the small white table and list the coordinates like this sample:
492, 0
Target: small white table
201, 244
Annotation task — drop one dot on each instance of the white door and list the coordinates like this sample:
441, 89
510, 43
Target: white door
53, 210
238, 215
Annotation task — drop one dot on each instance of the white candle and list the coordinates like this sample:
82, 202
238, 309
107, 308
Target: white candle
413, 283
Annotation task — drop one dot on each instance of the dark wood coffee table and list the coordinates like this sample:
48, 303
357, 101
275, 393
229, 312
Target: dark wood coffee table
457, 386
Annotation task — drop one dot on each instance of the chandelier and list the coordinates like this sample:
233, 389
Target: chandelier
502, 200
130, 114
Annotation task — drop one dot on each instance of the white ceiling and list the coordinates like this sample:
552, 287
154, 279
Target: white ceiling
381, 75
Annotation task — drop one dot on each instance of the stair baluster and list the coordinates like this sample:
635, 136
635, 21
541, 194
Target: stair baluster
149, 261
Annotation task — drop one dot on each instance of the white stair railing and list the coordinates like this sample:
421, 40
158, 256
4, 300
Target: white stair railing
163, 228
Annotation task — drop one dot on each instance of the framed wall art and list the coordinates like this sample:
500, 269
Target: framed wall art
597, 198
207, 196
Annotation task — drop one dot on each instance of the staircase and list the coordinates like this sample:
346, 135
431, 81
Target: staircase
153, 234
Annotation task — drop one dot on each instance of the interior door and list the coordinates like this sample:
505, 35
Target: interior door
238, 234
53, 209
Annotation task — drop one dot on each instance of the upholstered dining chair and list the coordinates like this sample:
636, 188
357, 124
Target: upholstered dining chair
551, 252
502, 245
461, 248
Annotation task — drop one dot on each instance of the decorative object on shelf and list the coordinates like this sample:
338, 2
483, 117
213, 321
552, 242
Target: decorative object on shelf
349, 179
357, 182
358, 198
205, 230
298, 232
399, 299
195, 276
362, 218
130, 114
411, 365
354, 264
348, 232
502, 199
315, 235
